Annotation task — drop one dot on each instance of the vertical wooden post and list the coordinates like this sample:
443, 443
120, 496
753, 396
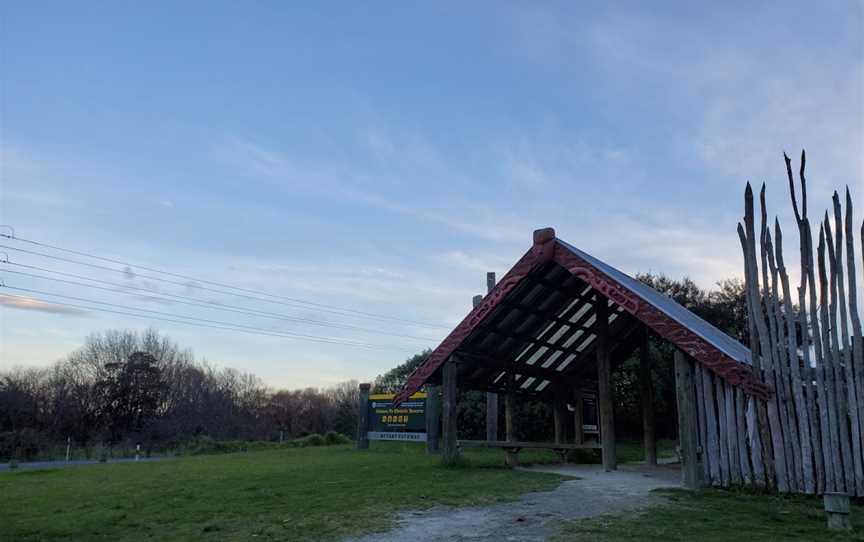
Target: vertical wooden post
559, 413
604, 383
646, 386
491, 396
509, 405
363, 417
688, 431
578, 435
433, 419
450, 452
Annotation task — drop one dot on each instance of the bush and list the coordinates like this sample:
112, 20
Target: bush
333, 438
24, 444
309, 440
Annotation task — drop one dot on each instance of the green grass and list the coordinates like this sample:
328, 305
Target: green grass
633, 451
295, 494
714, 516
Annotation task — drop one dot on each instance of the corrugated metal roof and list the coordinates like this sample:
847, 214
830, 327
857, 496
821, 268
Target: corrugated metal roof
707, 331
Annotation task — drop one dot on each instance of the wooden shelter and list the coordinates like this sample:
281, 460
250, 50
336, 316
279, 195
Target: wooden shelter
558, 322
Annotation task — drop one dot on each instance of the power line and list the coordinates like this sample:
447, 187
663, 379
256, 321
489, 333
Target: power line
228, 328
187, 285
186, 300
207, 322
320, 306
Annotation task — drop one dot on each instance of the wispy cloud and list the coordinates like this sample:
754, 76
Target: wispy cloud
30, 304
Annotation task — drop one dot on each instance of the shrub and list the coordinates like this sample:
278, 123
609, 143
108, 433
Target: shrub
24, 444
312, 440
334, 438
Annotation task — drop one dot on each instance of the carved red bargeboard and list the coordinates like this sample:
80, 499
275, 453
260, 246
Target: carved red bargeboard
734, 372
438, 356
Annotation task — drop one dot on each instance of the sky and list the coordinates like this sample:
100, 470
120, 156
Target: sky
381, 158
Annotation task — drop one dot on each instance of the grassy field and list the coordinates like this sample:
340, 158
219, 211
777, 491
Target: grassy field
330, 492
297, 494
717, 516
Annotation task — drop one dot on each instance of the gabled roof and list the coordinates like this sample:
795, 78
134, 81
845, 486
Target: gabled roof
538, 322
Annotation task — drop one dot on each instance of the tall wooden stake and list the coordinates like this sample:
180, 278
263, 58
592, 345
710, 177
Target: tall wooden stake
491, 396
646, 387
363, 417
433, 419
604, 383
688, 430
450, 452
509, 405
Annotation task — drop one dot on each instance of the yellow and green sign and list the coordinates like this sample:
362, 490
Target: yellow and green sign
409, 417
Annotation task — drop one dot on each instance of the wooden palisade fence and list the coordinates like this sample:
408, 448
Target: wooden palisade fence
808, 346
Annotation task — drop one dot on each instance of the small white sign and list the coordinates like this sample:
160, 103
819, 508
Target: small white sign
382, 435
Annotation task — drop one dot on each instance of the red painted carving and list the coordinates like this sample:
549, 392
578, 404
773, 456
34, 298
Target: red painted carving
461, 332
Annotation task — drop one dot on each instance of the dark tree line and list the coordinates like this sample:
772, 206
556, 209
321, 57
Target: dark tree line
122, 388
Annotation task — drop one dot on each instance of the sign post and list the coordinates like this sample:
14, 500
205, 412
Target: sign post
363, 418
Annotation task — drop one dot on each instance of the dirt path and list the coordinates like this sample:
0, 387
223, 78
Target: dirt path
534, 516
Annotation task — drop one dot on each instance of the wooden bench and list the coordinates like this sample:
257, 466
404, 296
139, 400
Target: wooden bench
512, 448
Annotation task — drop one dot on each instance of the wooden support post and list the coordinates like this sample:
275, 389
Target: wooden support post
578, 434
604, 383
509, 405
559, 414
646, 386
491, 396
450, 452
688, 431
363, 417
433, 419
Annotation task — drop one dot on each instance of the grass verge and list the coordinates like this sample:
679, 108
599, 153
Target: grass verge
295, 494
715, 515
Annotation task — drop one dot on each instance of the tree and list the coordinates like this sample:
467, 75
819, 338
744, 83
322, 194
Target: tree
395, 378
130, 393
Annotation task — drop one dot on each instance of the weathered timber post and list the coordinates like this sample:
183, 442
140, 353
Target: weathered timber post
450, 452
433, 419
578, 430
511, 459
646, 387
491, 396
688, 431
604, 383
509, 405
559, 413
363, 417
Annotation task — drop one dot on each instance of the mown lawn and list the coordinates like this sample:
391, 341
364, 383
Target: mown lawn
716, 515
299, 494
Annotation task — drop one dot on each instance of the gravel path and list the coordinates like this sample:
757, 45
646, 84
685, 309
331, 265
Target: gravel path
534, 516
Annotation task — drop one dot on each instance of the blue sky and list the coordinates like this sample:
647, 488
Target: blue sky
383, 157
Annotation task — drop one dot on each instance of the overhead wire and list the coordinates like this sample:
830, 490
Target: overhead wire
187, 300
148, 317
192, 320
319, 306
